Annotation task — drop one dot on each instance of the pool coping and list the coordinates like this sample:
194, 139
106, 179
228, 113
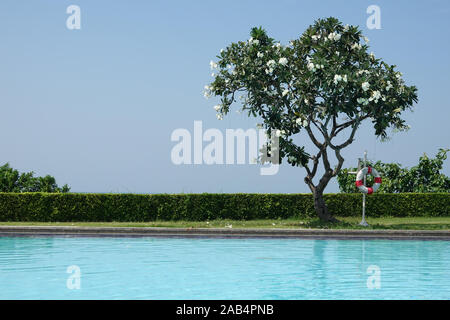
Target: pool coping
223, 232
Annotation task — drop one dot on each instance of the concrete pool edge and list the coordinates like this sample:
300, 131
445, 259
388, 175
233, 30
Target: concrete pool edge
223, 232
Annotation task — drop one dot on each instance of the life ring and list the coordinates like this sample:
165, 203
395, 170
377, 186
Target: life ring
360, 182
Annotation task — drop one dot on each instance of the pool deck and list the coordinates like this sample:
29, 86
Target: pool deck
68, 231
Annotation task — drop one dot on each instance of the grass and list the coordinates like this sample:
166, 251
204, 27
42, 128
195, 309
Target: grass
391, 223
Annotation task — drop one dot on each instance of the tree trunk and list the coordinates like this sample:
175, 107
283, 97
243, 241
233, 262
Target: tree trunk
321, 207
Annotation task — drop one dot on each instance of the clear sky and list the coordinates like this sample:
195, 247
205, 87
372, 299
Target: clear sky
96, 107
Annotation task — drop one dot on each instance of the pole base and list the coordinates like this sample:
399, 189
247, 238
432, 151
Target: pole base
364, 223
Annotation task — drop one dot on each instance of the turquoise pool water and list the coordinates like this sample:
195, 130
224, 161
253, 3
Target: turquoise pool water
181, 268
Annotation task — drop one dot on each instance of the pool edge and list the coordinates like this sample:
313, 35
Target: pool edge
223, 232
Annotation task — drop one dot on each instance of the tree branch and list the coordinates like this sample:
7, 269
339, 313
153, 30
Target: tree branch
312, 137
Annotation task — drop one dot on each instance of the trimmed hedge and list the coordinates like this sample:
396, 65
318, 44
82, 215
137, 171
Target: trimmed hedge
64, 207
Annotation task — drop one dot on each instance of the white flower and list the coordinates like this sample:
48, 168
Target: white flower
334, 36
278, 133
283, 61
213, 74
337, 53
306, 101
213, 65
285, 92
207, 92
291, 159
366, 40
346, 27
360, 72
221, 50
356, 46
219, 116
311, 67
389, 86
345, 78
305, 123
362, 101
337, 78
252, 41
299, 121
399, 75
376, 95
271, 63
217, 107
260, 55
315, 37
365, 86
372, 55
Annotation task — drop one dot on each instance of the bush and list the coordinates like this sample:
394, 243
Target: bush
424, 177
13, 181
64, 207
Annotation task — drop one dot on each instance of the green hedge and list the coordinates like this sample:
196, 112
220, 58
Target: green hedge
48, 207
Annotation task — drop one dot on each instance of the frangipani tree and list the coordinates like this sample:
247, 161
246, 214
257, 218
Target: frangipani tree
325, 83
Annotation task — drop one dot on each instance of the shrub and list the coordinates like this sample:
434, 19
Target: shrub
64, 207
424, 177
13, 181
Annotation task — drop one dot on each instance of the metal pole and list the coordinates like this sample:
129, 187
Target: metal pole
363, 221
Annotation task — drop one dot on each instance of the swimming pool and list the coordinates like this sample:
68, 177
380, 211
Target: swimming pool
214, 268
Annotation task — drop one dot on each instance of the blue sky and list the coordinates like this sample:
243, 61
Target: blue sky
96, 107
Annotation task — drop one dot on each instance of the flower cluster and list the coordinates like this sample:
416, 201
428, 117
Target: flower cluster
363, 101
365, 86
360, 72
279, 133
389, 86
313, 67
376, 95
338, 78
283, 61
334, 36
252, 41
301, 122
271, 65
356, 46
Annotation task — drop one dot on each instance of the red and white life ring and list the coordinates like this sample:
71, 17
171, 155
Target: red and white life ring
360, 180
